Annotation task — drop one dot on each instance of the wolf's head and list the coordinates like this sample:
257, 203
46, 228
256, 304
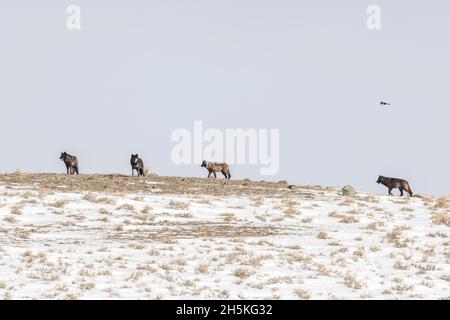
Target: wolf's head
380, 179
63, 156
134, 158
204, 164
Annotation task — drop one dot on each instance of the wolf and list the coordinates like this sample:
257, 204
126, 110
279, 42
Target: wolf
71, 163
137, 164
214, 167
393, 183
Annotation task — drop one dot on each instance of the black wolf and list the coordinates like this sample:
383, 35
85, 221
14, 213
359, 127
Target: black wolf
393, 183
137, 164
214, 167
71, 163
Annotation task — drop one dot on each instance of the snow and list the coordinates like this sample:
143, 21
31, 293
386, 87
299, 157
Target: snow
313, 244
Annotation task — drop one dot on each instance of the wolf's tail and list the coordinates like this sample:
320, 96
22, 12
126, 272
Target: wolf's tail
410, 191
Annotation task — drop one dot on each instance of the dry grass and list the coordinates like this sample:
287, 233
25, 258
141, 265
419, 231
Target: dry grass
146, 209
228, 217
166, 266
178, 205
89, 196
446, 277
351, 282
103, 211
349, 219
359, 252
442, 203
399, 265
17, 209
347, 202
10, 219
322, 235
291, 212
243, 273
302, 294
126, 206
202, 268
395, 236
59, 203
441, 218
184, 215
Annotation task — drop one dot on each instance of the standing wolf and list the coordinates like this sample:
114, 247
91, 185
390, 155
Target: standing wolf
393, 183
214, 167
137, 164
71, 163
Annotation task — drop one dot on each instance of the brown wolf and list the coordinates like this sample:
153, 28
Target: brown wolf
71, 163
393, 183
214, 167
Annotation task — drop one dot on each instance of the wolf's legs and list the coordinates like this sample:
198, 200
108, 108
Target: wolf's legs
229, 176
215, 176
401, 192
223, 172
76, 170
209, 174
390, 191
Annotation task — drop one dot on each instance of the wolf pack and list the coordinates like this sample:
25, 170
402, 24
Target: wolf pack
137, 165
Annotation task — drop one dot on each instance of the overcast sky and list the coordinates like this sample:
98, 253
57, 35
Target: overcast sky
138, 70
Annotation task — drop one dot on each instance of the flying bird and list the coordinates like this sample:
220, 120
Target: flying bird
382, 103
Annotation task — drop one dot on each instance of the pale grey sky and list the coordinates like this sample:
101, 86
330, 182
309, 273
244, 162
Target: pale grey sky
137, 70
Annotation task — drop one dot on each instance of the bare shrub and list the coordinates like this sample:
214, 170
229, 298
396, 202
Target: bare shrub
126, 206
349, 219
103, 211
302, 294
243, 273
202, 268
10, 219
89, 197
59, 203
441, 218
146, 209
184, 215
228, 217
17, 209
322, 235
177, 205
442, 203
351, 282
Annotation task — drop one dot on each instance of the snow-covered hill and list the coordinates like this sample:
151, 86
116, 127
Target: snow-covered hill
117, 237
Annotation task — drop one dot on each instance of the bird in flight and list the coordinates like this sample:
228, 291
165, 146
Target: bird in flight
383, 103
